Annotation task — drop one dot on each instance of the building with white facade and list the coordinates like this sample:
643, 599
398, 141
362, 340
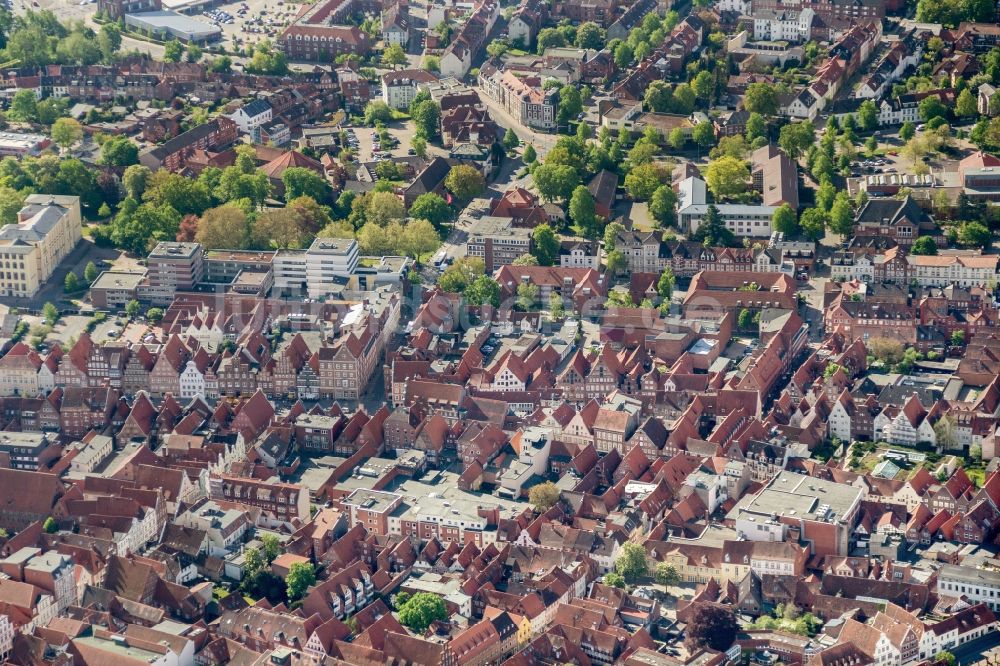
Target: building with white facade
978, 585
741, 219
787, 26
400, 87
252, 116
48, 227
325, 267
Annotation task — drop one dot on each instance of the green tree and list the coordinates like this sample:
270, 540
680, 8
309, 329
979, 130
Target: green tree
712, 232
784, 220
50, 526
527, 296
66, 132
659, 96
133, 308
172, 51
703, 134
267, 60
419, 145
965, 105
460, 275
555, 181
154, 315
666, 574
795, 138
761, 98
431, 207
677, 138
727, 176
745, 319
570, 104
426, 117
543, 496
704, 86
109, 40
590, 36
465, 182
756, 127
497, 48
90, 272
924, 245
931, 107
868, 115
422, 609
556, 306
72, 283
272, 547
253, 562
614, 579
11, 201
631, 562
134, 181
382, 207
50, 314
301, 576
529, 155
665, 285
119, 151
24, 106
662, 205
616, 262
225, 227
813, 223
483, 290
549, 38
958, 338
418, 238
842, 214
394, 55
304, 182
546, 244
945, 657
623, 55
974, 234
193, 52
377, 112
510, 140
907, 131
583, 212
643, 181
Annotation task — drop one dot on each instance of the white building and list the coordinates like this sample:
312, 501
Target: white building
979, 585
192, 381
327, 261
48, 227
787, 26
225, 527
742, 220
250, 117
944, 270
400, 87
6, 636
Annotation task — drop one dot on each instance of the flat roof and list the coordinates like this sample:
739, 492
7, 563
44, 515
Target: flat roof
118, 280
970, 575
791, 494
172, 21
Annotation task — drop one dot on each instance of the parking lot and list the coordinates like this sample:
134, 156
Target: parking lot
246, 23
